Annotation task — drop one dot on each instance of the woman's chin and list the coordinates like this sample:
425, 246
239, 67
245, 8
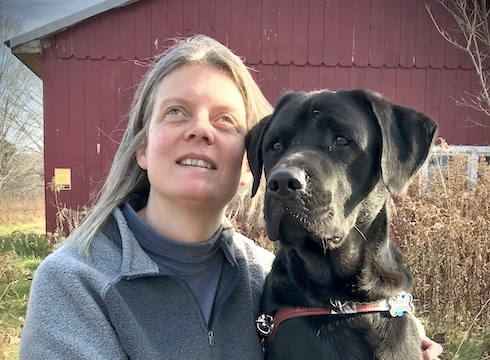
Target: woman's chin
211, 199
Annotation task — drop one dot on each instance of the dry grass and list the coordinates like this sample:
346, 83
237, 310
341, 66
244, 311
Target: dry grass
443, 228
20, 212
9, 343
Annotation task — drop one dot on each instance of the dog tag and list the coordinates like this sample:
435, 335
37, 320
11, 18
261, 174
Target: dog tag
401, 304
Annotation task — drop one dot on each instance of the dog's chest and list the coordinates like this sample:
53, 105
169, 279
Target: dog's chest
324, 337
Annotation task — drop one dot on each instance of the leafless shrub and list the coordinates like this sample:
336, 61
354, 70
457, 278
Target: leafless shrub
443, 227
67, 219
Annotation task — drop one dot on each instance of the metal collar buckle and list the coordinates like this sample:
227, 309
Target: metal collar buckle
264, 324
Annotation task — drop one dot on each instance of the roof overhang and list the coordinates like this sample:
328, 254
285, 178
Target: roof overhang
30, 54
27, 47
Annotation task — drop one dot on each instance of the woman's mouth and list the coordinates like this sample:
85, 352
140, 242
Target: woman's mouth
195, 162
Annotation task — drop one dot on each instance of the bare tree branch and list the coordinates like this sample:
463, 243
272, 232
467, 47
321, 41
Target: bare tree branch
471, 20
21, 120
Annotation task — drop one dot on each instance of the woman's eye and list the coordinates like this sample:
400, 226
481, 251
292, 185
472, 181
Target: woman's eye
174, 111
226, 119
341, 141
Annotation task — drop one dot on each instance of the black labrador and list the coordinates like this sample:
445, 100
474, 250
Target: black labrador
338, 287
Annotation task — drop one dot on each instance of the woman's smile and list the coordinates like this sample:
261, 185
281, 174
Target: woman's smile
198, 163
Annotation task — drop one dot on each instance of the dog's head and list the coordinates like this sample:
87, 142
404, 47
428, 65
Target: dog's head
331, 158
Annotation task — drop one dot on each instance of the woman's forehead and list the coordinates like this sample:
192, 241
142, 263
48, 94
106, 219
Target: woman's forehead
195, 82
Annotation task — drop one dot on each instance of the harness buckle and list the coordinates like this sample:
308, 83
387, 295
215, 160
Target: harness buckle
344, 308
264, 324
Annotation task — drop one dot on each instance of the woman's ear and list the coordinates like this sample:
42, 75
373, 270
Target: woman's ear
247, 176
141, 157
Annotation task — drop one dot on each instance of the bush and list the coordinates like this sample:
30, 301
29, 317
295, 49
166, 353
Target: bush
443, 229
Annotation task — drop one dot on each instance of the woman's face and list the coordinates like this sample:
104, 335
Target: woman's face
195, 146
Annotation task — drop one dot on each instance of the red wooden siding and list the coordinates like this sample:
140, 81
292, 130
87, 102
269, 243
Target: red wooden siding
390, 46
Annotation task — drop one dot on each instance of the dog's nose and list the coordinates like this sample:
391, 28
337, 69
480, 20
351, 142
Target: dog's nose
286, 181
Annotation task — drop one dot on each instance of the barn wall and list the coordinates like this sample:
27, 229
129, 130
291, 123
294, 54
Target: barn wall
90, 71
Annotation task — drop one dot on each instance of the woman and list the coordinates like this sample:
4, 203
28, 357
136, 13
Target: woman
154, 272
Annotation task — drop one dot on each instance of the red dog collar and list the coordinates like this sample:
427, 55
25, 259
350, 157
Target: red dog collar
396, 306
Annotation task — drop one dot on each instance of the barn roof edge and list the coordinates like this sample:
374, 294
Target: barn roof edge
58, 26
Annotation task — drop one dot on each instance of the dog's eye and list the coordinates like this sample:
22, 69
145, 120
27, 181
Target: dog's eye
341, 141
276, 146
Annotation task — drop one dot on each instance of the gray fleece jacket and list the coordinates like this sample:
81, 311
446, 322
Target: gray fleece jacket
115, 304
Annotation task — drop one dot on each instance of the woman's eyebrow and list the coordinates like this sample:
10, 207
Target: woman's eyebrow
176, 100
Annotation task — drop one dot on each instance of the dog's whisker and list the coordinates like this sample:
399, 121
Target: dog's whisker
301, 218
361, 233
324, 246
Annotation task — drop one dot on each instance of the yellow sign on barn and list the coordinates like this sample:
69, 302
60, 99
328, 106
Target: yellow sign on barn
62, 179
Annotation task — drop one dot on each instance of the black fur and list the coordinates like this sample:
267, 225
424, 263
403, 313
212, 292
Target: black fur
331, 161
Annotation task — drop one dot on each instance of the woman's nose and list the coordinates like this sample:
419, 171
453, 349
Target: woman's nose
200, 128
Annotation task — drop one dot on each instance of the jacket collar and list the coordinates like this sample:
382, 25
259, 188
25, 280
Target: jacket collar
135, 261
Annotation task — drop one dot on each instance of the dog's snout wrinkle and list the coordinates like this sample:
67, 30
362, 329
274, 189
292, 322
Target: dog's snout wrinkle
286, 181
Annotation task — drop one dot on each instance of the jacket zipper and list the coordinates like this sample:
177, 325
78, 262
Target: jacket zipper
217, 306
210, 338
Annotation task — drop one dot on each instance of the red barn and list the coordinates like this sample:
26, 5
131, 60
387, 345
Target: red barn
88, 62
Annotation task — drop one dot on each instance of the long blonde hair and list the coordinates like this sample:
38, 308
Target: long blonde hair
126, 181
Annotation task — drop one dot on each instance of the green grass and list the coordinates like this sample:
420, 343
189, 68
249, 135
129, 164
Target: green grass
475, 347
25, 245
20, 255
36, 227
15, 289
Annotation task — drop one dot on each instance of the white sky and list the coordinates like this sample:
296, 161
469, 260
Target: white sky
36, 13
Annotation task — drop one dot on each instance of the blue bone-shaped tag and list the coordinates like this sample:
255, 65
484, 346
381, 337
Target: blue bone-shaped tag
401, 304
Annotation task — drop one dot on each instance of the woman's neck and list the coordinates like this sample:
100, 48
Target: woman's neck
190, 223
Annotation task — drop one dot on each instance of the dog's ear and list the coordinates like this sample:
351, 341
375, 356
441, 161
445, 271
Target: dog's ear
407, 136
253, 144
